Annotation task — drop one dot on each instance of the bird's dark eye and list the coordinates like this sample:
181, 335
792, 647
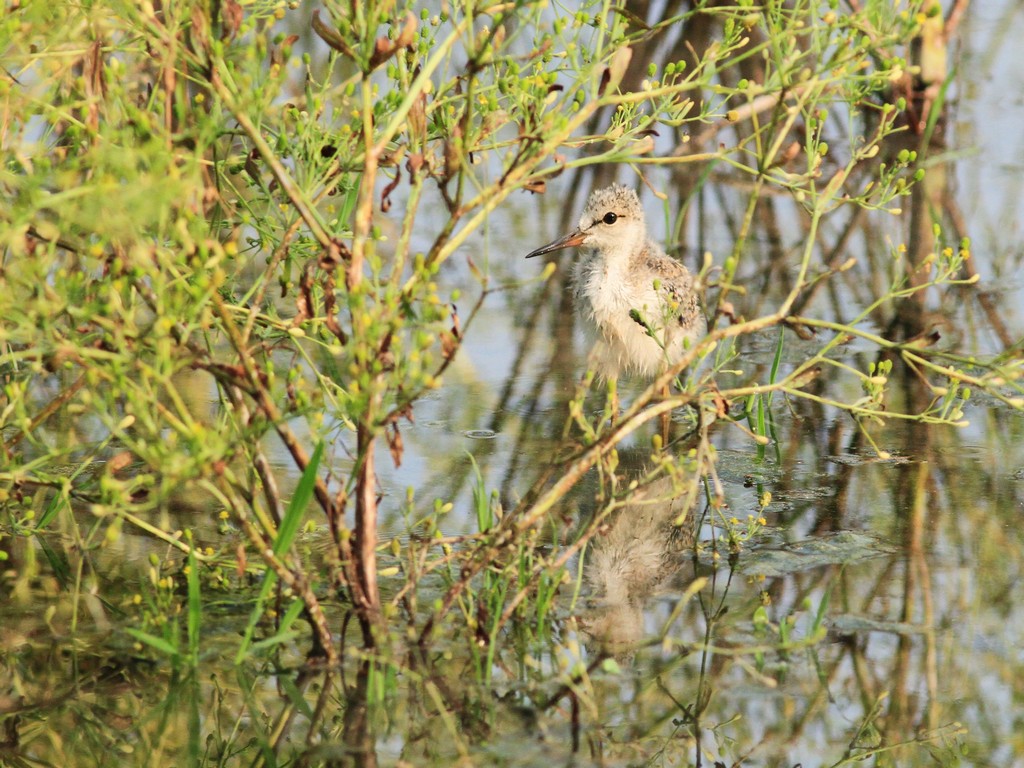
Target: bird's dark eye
610, 218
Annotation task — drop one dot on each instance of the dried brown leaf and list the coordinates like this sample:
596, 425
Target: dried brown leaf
385, 195
384, 49
331, 36
452, 156
240, 561
231, 19
417, 121
395, 445
119, 461
616, 69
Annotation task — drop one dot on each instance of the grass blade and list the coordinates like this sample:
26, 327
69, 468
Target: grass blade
773, 376
282, 543
195, 608
156, 643
297, 506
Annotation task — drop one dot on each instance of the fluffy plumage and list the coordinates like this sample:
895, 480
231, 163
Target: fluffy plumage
639, 307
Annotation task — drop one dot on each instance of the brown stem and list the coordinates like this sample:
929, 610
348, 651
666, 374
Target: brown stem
365, 550
55, 405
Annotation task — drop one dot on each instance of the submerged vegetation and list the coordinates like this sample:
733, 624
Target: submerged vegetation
227, 236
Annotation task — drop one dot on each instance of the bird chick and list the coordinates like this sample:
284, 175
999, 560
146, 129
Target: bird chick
638, 307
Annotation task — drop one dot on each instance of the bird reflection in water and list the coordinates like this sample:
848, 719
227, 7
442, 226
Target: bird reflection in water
637, 551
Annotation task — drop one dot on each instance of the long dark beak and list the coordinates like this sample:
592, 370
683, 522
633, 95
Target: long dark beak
569, 241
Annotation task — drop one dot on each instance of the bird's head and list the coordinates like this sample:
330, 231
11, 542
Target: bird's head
612, 222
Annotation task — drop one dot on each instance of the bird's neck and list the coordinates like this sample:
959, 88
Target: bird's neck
617, 260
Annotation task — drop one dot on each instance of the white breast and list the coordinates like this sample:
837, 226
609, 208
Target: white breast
604, 296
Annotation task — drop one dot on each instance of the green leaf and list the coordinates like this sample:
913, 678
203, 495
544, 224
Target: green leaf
154, 642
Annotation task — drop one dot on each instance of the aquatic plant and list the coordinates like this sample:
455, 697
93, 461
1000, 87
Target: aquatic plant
195, 206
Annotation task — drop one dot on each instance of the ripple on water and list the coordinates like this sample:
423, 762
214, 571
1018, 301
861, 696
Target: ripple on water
480, 434
857, 459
